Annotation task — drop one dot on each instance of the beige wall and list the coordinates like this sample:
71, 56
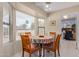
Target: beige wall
1, 29
58, 17
29, 10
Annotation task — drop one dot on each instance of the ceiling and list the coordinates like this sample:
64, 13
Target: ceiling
53, 6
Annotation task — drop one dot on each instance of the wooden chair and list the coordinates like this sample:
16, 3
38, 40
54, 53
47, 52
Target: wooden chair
28, 33
55, 46
53, 34
25, 33
28, 46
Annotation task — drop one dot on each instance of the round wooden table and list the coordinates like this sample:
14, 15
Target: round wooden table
40, 40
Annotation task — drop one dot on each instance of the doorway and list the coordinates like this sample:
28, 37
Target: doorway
68, 29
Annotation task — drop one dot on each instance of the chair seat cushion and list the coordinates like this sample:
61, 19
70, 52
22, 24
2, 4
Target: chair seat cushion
49, 47
49, 44
31, 49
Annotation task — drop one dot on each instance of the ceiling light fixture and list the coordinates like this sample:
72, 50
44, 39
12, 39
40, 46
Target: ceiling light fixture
47, 6
65, 17
48, 2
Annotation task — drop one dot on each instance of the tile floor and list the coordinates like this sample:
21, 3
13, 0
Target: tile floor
67, 49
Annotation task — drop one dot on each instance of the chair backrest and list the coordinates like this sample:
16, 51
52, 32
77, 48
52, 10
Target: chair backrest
28, 33
25, 41
52, 33
57, 42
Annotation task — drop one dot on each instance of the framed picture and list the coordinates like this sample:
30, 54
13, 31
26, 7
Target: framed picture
53, 23
41, 30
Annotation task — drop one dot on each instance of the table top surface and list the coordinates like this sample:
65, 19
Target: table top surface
41, 38
45, 39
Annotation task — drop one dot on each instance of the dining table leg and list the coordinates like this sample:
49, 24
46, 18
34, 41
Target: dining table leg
40, 52
43, 51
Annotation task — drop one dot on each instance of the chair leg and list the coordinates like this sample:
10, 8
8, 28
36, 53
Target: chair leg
22, 53
40, 52
55, 53
48, 51
58, 52
43, 52
29, 55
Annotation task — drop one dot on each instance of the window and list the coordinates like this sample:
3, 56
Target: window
6, 23
41, 28
24, 23
41, 22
